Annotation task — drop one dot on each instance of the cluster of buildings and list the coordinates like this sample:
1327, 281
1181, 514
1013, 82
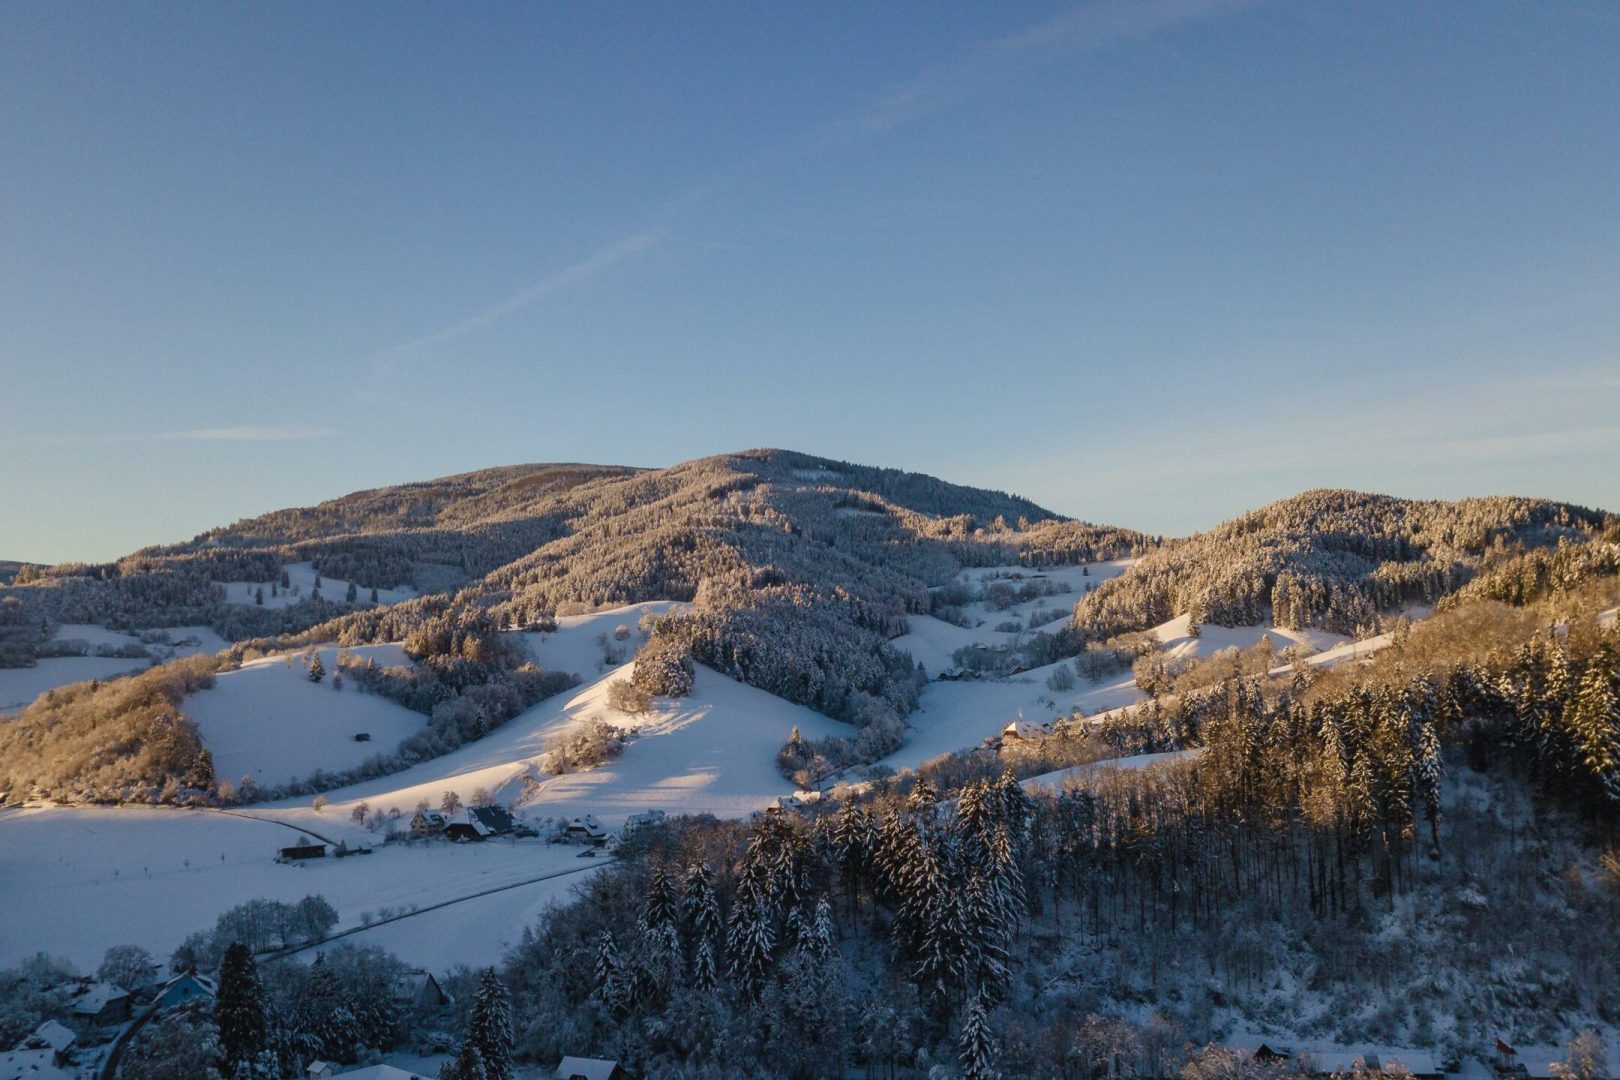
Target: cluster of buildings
1502, 1061
59, 1051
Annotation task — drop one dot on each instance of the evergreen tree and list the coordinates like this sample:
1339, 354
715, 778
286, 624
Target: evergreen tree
489, 1029
609, 987
752, 941
976, 1050
317, 670
239, 1009
705, 977
700, 911
353, 593
468, 1064
374, 594
258, 596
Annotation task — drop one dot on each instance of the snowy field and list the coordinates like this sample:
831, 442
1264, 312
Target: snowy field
1211, 639
301, 582
959, 715
573, 646
20, 686
75, 881
711, 752
173, 642
1054, 781
269, 721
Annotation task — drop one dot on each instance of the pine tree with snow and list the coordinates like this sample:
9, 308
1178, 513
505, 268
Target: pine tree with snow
705, 972
240, 1009
922, 796
468, 1064
700, 910
976, 1050
1427, 770
852, 849
374, 594
489, 1028
353, 593
316, 670
752, 940
820, 941
658, 909
1594, 723
609, 986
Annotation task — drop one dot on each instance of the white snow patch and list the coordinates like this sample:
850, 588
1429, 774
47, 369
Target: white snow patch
1211, 639
269, 721
959, 715
74, 882
301, 585
1054, 781
711, 752
573, 646
20, 686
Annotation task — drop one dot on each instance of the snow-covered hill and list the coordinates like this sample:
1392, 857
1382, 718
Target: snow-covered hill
269, 721
75, 881
301, 577
711, 752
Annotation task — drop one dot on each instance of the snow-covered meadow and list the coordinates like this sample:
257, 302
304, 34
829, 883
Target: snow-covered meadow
268, 720
75, 881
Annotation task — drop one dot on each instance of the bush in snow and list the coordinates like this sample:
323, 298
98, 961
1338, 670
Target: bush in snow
663, 672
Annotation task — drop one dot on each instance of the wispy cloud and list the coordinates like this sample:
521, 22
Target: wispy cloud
979, 70
602, 259
993, 60
244, 433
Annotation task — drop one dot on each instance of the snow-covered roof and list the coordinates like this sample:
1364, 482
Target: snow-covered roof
1330, 1057
37, 1064
55, 1034
589, 1068
1023, 729
96, 997
587, 823
381, 1072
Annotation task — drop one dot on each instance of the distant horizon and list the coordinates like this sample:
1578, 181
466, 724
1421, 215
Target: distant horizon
1148, 262
1010, 490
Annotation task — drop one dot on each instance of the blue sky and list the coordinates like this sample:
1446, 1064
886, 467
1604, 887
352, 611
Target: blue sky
1149, 263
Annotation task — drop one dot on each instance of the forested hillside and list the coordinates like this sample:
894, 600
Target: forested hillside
1331, 559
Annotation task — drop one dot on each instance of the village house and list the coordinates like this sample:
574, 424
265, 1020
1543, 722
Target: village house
479, 823
578, 1068
420, 991
38, 1063
297, 852
101, 1003
584, 830
56, 1035
427, 823
1022, 729
1327, 1059
644, 820
185, 987
379, 1072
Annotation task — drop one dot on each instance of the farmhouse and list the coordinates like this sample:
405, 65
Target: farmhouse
479, 823
185, 987
34, 1064
1022, 729
298, 852
427, 823
419, 990
577, 1068
584, 830
644, 820
1328, 1059
101, 1003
